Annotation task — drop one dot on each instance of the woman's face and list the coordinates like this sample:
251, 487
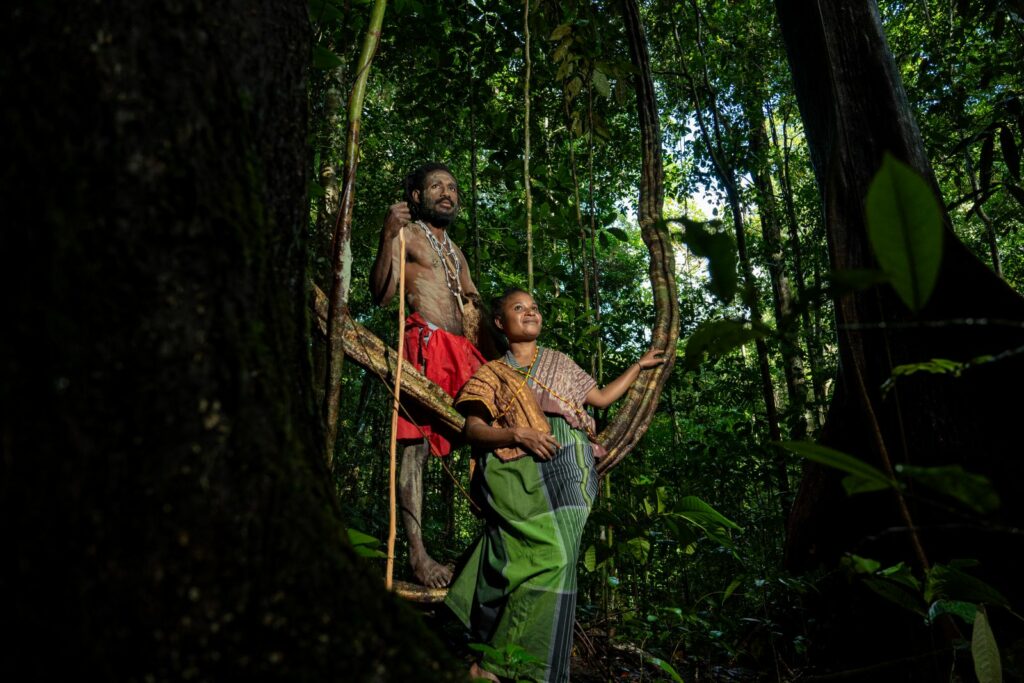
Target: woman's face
520, 319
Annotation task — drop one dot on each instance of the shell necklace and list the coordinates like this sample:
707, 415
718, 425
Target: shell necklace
449, 261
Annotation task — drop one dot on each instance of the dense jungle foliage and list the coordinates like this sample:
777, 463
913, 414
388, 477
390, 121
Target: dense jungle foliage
662, 575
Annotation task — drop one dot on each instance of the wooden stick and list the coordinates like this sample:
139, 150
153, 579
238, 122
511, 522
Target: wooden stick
392, 522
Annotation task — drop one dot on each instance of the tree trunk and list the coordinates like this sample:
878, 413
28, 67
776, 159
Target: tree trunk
854, 109
764, 371
172, 516
782, 298
810, 329
341, 246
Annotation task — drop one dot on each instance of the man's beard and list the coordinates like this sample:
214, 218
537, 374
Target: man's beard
441, 219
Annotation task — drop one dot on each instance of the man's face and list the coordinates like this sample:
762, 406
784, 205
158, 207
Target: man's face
439, 199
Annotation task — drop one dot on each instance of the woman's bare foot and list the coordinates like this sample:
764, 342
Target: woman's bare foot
477, 672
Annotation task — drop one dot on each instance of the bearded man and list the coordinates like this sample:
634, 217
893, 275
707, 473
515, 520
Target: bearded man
446, 310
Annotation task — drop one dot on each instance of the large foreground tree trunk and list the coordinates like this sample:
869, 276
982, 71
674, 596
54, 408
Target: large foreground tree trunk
854, 109
167, 513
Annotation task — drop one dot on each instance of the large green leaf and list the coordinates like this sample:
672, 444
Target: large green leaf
973, 490
666, 667
898, 594
905, 229
965, 610
714, 524
694, 505
946, 581
324, 58
364, 544
984, 651
865, 476
601, 84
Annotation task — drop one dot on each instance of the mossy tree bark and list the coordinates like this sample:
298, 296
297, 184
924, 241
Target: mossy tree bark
172, 517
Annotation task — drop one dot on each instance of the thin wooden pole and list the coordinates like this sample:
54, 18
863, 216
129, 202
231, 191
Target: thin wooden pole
526, 147
392, 503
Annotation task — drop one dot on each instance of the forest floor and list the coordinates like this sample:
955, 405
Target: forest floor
595, 657
595, 660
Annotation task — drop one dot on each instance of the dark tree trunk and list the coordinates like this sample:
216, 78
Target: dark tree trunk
167, 512
854, 109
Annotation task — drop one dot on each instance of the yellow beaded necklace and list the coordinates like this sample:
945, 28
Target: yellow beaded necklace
528, 375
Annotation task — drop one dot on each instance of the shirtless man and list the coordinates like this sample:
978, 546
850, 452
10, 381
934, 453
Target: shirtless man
446, 309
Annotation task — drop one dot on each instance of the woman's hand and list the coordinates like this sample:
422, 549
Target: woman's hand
540, 444
652, 358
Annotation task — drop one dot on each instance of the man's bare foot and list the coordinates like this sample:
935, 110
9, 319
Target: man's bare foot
476, 672
431, 573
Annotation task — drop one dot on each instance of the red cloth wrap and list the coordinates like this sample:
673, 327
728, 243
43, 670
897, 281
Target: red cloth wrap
450, 360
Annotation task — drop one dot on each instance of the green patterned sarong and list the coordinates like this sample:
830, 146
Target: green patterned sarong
518, 586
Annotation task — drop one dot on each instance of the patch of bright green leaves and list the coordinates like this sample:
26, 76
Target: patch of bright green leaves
512, 659
364, 544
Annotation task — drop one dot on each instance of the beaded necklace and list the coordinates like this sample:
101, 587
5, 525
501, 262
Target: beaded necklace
449, 261
536, 354
528, 375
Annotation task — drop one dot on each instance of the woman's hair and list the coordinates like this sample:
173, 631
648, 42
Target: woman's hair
498, 305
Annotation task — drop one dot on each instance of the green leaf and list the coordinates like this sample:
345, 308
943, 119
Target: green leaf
973, 490
324, 10
964, 610
935, 366
694, 505
984, 651
948, 582
840, 461
731, 588
718, 337
905, 230
619, 234
900, 573
590, 559
854, 484
324, 58
364, 544
863, 565
356, 537
560, 31
897, 593
601, 84
714, 524
313, 189
667, 668
720, 251
639, 548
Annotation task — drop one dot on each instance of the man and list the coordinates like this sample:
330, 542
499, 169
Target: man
446, 309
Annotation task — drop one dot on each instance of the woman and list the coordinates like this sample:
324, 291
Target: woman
535, 483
